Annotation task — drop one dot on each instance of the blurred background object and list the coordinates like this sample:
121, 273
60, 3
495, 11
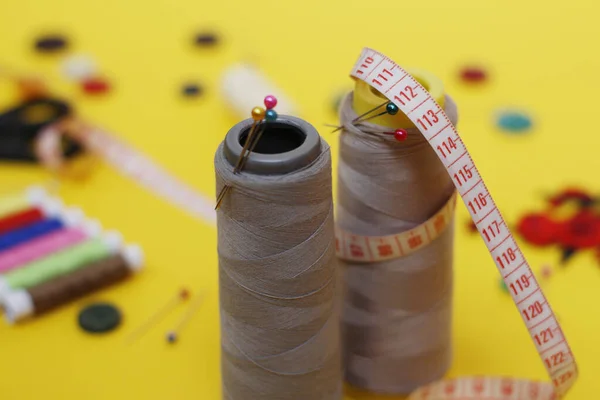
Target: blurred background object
143, 62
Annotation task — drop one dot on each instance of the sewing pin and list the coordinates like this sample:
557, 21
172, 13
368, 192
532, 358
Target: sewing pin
390, 108
181, 296
173, 336
357, 119
270, 117
238, 166
258, 114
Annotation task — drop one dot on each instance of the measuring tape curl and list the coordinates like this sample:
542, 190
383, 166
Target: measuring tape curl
399, 87
358, 248
481, 387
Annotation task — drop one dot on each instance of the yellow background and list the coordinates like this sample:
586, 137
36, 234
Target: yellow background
543, 57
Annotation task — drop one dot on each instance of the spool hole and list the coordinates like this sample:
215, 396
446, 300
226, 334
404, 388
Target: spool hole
276, 139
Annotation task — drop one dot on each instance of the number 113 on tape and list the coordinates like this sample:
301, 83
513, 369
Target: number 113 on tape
410, 96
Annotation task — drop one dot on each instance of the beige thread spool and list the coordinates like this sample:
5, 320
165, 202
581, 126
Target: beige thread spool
279, 290
397, 313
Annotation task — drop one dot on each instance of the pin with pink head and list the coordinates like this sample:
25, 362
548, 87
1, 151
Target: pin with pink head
270, 102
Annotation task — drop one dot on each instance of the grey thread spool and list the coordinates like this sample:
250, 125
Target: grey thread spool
278, 275
397, 313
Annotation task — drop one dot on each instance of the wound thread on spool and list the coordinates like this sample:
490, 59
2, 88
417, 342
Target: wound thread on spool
278, 276
44, 246
20, 218
46, 207
64, 289
57, 219
30, 232
60, 263
397, 313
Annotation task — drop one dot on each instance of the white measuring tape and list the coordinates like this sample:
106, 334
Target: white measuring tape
129, 162
358, 248
485, 388
410, 96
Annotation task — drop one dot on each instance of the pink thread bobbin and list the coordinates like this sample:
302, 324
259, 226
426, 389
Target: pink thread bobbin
48, 244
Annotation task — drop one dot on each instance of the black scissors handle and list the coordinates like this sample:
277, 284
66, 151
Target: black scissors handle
20, 126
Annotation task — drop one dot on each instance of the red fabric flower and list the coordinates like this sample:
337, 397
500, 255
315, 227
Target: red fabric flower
581, 231
570, 194
538, 229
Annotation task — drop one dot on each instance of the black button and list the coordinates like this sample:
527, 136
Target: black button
99, 318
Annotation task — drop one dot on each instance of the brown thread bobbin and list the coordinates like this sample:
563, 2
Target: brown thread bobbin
59, 291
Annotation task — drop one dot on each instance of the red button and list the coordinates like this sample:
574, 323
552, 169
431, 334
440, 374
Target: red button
95, 86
